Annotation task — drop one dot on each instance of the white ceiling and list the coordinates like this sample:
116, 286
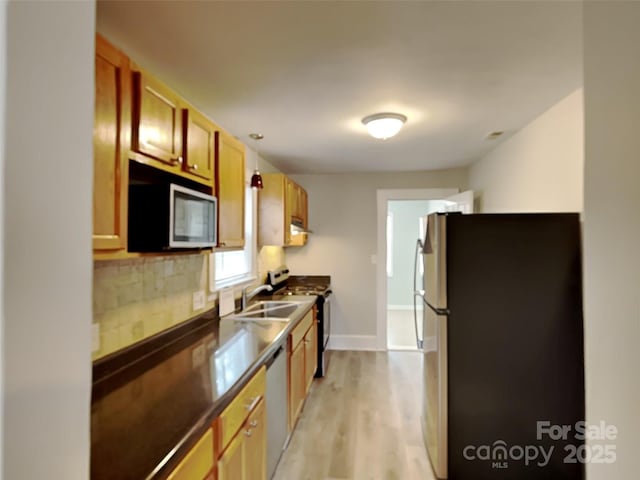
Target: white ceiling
305, 73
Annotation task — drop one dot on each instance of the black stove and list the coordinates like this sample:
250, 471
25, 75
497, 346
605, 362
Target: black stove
319, 285
321, 290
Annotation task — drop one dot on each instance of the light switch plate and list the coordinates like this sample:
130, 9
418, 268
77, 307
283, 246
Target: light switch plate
95, 337
374, 259
198, 300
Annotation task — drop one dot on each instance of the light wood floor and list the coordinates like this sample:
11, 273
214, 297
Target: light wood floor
361, 422
401, 331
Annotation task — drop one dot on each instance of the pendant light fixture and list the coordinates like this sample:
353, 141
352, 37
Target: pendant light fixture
384, 125
256, 178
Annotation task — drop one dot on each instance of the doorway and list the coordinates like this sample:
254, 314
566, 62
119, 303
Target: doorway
401, 222
405, 224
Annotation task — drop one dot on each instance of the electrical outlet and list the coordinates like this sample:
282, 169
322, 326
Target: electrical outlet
198, 300
95, 337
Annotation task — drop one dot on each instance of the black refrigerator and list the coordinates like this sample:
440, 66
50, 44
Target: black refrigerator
503, 346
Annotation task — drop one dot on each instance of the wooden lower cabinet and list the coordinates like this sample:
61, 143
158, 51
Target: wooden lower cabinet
245, 458
198, 463
296, 383
310, 355
231, 463
255, 444
241, 435
303, 362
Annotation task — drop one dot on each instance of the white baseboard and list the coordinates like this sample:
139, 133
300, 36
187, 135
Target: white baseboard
353, 342
402, 348
402, 307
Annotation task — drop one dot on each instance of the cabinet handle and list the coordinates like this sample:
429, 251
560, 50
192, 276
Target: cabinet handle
254, 402
176, 161
194, 167
222, 244
306, 341
247, 432
253, 423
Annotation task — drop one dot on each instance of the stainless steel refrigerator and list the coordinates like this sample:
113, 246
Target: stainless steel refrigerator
502, 345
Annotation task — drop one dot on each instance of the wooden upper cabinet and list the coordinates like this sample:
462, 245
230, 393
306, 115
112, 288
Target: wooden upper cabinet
282, 202
231, 191
111, 139
157, 120
199, 151
170, 134
298, 205
305, 208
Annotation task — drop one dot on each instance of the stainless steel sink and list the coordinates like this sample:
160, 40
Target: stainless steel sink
269, 305
268, 310
281, 313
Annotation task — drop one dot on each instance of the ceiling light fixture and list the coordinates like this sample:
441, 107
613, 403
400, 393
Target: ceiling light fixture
384, 125
256, 178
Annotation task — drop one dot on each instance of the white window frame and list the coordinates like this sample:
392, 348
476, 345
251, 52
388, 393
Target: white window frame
250, 245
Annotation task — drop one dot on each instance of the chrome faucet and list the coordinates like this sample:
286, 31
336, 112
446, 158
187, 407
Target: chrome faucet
248, 296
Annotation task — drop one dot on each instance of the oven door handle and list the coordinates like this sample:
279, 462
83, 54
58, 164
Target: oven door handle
326, 327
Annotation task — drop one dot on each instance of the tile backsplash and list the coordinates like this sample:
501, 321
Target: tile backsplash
137, 298
269, 258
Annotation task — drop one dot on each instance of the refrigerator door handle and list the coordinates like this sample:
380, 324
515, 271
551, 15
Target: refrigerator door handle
417, 293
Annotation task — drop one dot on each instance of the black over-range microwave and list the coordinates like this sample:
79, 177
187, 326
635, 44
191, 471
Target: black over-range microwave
167, 216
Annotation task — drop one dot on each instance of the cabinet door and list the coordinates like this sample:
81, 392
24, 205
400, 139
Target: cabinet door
200, 134
297, 383
157, 122
289, 208
112, 124
310, 355
198, 463
231, 463
231, 185
305, 208
256, 444
299, 203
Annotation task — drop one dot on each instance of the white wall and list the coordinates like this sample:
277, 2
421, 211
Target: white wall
342, 214
3, 72
538, 169
612, 228
47, 250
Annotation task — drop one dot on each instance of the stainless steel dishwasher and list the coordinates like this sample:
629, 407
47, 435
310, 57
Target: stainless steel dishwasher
276, 398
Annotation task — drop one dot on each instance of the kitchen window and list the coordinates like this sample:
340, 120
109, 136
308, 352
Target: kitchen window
232, 268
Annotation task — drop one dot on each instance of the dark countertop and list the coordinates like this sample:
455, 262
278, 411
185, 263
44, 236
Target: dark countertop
147, 413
